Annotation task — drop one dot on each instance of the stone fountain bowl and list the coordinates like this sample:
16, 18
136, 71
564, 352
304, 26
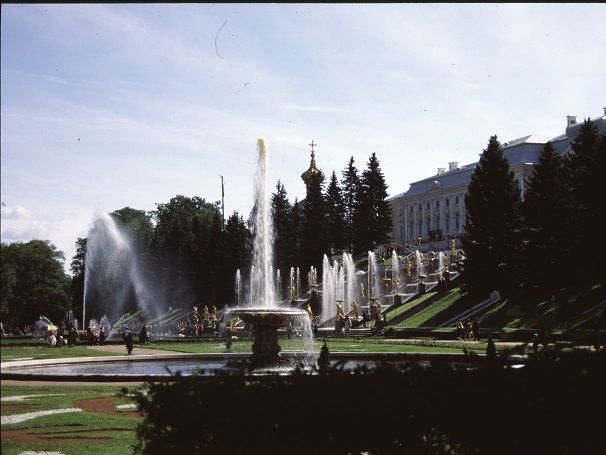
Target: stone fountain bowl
266, 322
271, 316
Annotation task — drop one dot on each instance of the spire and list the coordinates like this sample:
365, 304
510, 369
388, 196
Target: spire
313, 170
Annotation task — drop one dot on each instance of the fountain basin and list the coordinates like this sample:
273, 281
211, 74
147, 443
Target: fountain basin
266, 322
161, 367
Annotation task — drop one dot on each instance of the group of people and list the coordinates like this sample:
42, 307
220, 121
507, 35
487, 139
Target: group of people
62, 336
468, 330
96, 336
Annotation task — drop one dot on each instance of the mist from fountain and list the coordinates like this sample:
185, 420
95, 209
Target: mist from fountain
104, 322
112, 272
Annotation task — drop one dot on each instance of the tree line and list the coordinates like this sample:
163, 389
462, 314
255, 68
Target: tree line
546, 240
189, 255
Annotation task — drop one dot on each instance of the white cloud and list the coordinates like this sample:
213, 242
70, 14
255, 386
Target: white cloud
16, 212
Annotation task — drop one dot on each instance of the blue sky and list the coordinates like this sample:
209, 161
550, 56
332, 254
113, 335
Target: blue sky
108, 106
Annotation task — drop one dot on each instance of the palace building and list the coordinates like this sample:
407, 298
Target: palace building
433, 209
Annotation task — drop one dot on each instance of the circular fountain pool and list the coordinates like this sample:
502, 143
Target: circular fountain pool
162, 367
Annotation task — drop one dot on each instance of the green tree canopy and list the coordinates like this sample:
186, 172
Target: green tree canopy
350, 187
335, 216
545, 207
373, 217
585, 167
35, 283
491, 241
314, 241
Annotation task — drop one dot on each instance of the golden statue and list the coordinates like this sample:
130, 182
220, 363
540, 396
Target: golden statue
453, 248
340, 310
205, 315
408, 268
196, 316
395, 284
232, 326
309, 312
354, 310
362, 290
378, 314
214, 314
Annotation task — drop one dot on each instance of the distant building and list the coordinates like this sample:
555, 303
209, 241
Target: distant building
433, 209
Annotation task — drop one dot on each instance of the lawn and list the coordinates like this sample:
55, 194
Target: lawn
524, 311
334, 345
438, 312
98, 429
391, 314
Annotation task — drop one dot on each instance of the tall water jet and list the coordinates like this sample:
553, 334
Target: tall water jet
374, 286
395, 272
350, 281
329, 309
278, 286
263, 231
238, 287
264, 315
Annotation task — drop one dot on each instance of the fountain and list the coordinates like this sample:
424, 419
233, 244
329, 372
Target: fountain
113, 278
263, 313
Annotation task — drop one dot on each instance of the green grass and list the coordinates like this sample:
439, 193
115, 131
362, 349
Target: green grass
44, 352
334, 345
391, 314
432, 316
524, 311
94, 433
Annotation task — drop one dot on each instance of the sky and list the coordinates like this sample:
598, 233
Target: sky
105, 106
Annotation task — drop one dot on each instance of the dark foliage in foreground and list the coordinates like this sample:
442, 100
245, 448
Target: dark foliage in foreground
553, 405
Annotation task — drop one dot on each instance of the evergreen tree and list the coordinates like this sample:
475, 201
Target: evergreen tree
281, 211
492, 227
545, 208
584, 167
236, 254
349, 186
373, 217
294, 235
335, 216
314, 241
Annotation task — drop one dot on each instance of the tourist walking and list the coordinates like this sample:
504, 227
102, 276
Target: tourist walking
102, 336
364, 318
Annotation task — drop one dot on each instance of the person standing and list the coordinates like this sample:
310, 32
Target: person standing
128, 340
102, 336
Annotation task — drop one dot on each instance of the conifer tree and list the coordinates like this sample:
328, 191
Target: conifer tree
373, 217
545, 207
584, 166
492, 227
314, 242
335, 216
349, 187
294, 235
281, 209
